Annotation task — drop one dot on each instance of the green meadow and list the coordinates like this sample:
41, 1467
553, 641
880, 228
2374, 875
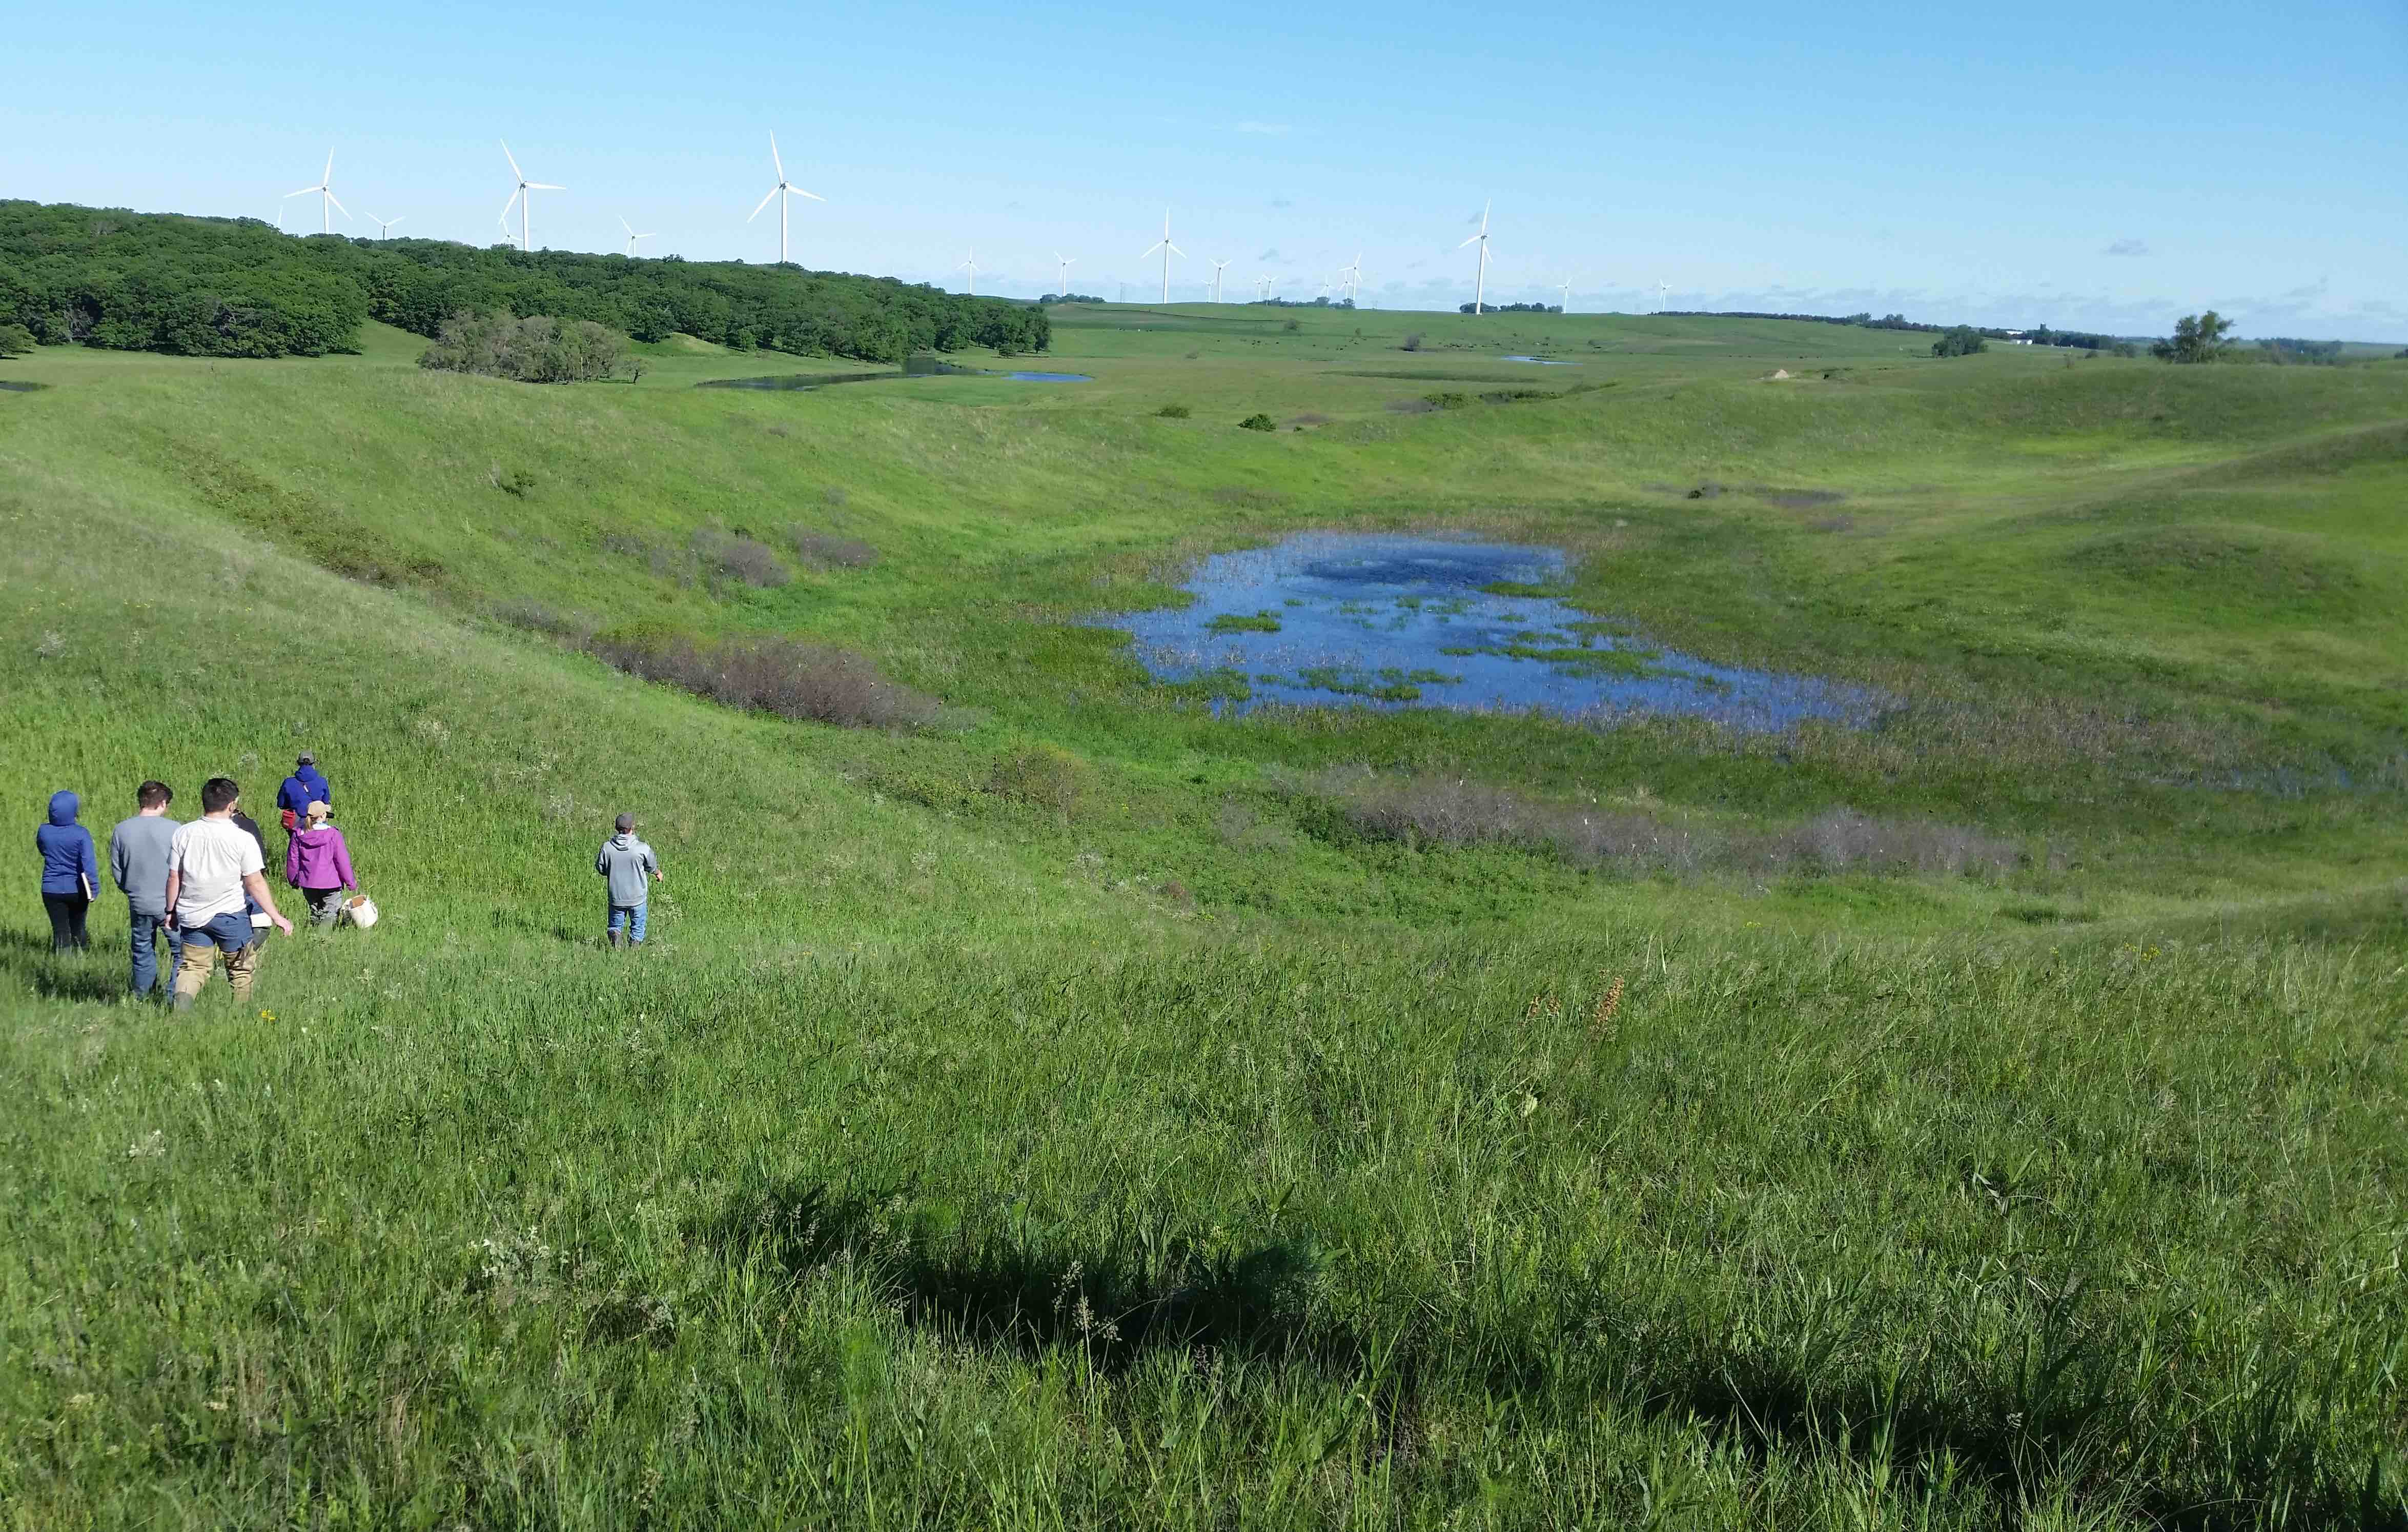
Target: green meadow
1087, 1109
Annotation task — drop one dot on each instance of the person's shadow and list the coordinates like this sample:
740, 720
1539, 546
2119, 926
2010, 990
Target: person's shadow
89, 974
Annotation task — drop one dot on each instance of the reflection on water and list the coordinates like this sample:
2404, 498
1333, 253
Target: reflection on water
1377, 620
1542, 361
1050, 377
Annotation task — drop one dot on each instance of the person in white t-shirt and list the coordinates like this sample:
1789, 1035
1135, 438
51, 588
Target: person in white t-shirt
212, 864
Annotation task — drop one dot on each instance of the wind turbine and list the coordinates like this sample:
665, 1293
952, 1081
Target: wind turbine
526, 204
1661, 289
1566, 288
1066, 263
632, 235
383, 225
971, 266
1168, 249
1480, 288
785, 192
325, 189
1216, 280
1354, 275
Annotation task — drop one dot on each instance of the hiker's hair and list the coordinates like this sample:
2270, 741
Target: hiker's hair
217, 794
155, 795
626, 822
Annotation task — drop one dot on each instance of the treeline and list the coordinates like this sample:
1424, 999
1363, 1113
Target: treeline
1510, 307
2290, 351
236, 287
2039, 336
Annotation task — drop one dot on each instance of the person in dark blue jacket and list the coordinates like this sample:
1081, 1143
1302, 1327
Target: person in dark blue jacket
70, 873
304, 788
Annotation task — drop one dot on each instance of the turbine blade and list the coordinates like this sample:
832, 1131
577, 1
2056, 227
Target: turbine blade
338, 205
1175, 251
654, 235
1468, 242
773, 157
328, 177
1148, 251
403, 219
544, 186
813, 195
508, 206
512, 158
629, 228
764, 202
302, 192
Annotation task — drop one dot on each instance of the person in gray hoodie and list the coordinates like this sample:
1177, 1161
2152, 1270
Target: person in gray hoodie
628, 863
138, 863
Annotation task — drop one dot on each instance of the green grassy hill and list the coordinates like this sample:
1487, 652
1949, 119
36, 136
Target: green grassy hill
1072, 1112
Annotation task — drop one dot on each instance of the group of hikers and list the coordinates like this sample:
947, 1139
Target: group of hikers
201, 888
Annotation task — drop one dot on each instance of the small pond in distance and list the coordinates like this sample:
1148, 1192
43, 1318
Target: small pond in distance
1050, 377
1542, 361
1388, 621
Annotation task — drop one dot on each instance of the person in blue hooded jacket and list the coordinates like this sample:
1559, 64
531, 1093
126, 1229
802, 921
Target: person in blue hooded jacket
304, 788
70, 872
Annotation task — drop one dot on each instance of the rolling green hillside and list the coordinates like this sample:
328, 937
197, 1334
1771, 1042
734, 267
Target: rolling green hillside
1080, 1110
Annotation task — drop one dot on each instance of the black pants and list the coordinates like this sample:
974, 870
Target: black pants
66, 920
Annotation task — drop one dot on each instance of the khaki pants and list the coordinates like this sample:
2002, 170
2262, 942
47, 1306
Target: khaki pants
200, 956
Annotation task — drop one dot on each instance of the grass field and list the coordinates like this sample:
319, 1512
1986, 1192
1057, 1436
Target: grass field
1082, 1111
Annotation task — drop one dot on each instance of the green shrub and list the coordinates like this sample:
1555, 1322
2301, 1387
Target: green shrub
15, 340
1448, 399
1044, 776
1174, 412
1258, 422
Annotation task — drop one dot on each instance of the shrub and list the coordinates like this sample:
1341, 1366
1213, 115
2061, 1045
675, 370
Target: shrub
827, 550
786, 677
15, 340
1963, 340
1043, 776
535, 349
1174, 412
1292, 326
739, 557
535, 617
1257, 422
1413, 341
1447, 400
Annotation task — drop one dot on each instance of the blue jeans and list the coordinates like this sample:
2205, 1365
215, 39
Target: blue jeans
631, 917
149, 930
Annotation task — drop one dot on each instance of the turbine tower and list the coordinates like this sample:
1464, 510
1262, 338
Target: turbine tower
1567, 290
632, 235
385, 224
1216, 280
1065, 263
326, 191
971, 266
785, 192
1480, 286
526, 204
1662, 288
1168, 249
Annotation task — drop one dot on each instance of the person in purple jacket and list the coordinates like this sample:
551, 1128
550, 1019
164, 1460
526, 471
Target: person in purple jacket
319, 863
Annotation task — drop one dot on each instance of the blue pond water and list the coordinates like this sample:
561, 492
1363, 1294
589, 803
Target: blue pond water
1542, 361
1050, 377
1388, 621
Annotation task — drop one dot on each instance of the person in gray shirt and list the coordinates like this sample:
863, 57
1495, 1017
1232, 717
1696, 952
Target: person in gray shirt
628, 863
137, 865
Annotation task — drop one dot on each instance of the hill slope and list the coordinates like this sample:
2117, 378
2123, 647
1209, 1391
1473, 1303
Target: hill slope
1072, 1113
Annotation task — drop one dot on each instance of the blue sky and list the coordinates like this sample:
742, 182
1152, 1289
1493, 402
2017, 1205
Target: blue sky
2101, 166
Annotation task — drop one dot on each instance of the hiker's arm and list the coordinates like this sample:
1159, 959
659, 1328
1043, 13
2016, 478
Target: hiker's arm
255, 885
175, 882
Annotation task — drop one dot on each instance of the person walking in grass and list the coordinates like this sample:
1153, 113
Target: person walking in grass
214, 866
70, 870
304, 788
631, 869
138, 863
319, 863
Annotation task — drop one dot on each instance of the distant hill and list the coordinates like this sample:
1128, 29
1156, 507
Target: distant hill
236, 287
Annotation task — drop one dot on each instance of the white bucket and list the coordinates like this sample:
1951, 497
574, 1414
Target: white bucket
360, 910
